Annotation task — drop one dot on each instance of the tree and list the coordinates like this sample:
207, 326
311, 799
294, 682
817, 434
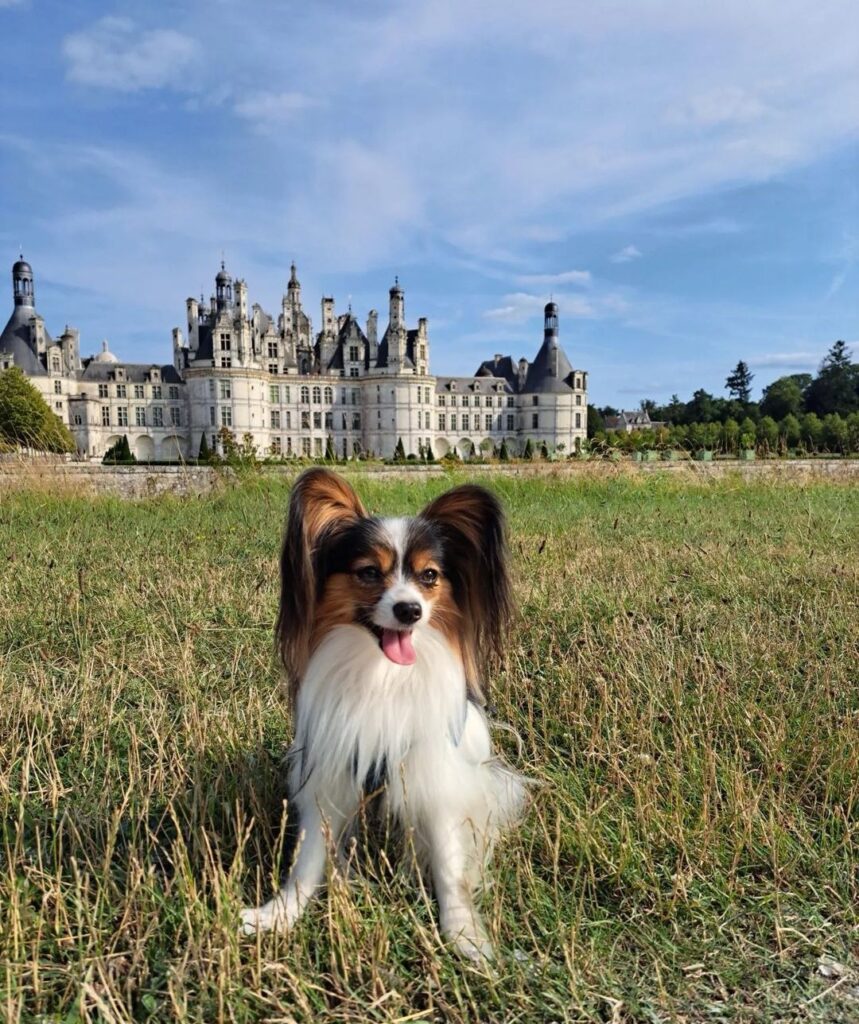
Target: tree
330, 454
790, 430
400, 451
26, 421
205, 454
544, 450
528, 453
649, 406
835, 432
812, 430
503, 452
429, 454
784, 396
836, 386
767, 433
119, 454
701, 409
739, 383
730, 434
596, 423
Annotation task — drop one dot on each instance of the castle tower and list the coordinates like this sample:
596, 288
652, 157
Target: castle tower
22, 283
223, 290
397, 336
551, 336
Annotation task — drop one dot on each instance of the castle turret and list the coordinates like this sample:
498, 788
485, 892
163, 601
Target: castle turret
373, 336
223, 290
193, 310
22, 283
396, 305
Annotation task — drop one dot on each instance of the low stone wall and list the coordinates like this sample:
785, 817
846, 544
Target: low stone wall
57, 475
122, 481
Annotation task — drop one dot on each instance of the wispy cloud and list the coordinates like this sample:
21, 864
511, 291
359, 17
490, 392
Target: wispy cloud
786, 360
114, 54
271, 110
626, 254
579, 277
723, 105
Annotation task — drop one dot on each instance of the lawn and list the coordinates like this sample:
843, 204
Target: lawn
683, 678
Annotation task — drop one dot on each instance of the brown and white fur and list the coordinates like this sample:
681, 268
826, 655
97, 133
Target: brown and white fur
386, 628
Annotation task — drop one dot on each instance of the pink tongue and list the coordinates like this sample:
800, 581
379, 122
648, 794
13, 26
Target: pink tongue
397, 645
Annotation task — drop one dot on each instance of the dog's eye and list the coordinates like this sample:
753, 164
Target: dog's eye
428, 576
368, 574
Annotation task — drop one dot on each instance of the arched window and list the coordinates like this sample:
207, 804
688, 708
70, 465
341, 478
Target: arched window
305, 395
317, 395
329, 396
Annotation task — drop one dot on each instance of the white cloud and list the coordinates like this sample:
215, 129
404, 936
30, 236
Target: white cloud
272, 109
626, 254
518, 307
723, 105
12, 3
579, 277
114, 54
786, 360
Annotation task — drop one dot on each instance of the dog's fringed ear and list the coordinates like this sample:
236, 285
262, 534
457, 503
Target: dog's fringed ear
472, 525
321, 505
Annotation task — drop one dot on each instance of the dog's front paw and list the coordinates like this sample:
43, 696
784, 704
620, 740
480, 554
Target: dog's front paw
258, 920
466, 933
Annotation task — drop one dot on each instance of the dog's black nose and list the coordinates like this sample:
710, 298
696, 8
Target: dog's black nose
407, 612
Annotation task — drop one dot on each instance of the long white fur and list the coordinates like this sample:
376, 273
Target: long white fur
357, 711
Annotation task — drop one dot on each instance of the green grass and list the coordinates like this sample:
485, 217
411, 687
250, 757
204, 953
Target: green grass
683, 678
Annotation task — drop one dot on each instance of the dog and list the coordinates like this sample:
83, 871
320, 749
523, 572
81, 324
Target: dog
386, 630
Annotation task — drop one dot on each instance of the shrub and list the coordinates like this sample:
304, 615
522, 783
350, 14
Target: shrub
26, 421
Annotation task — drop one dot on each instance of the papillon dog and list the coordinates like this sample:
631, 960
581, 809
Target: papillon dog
386, 630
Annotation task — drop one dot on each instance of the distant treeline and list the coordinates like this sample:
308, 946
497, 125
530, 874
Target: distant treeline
799, 411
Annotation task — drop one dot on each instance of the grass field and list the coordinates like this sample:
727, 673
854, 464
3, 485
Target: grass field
684, 681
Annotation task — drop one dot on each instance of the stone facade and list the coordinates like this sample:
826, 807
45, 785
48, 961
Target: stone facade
288, 391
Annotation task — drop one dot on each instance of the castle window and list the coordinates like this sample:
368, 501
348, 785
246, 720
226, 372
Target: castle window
535, 400
226, 343
289, 446
535, 420
356, 421
343, 395
578, 420
122, 416
78, 419
354, 396
578, 399
465, 422
511, 422
211, 416
58, 406
511, 402
226, 362
489, 423
442, 399
226, 390
305, 395
353, 371
453, 400
139, 416
427, 398
317, 395
102, 391
329, 396
452, 422
272, 350
345, 424
317, 446
138, 391
305, 420
441, 421
275, 419
329, 421
288, 423
226, 416
173, 392
275, 446
58, 387
211, 388
317, 421
465, 401
286, 394
175, 416
105, 416
274, 393
156, 391
157, 416
120, 391
353, 353
55, 365
272, 369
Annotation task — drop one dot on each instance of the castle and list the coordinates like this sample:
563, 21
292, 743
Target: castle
289, 392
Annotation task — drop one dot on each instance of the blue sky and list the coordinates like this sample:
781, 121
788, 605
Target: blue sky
683, 178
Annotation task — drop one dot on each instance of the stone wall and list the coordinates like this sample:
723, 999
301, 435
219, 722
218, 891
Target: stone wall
55, 474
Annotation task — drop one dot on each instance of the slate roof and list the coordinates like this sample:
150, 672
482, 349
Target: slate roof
550, 370
135, 373
16, 340
502, 366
